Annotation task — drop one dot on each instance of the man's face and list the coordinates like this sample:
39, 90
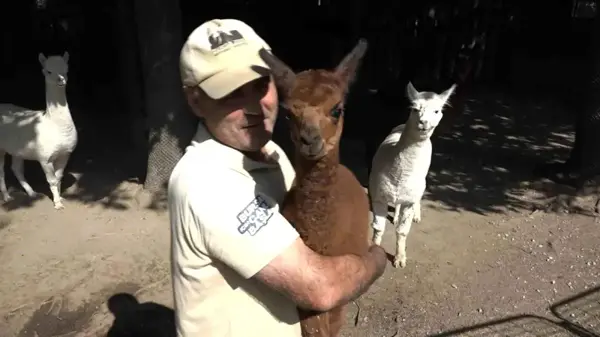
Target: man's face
243, 119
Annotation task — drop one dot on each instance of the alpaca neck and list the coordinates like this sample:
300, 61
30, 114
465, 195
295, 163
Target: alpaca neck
317, 174
57, 107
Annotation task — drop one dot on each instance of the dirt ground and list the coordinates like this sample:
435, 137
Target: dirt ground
483, 254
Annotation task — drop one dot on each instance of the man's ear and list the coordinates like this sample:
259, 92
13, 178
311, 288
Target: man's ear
193, 98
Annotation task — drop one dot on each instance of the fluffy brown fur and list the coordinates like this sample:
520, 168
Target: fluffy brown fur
327, 205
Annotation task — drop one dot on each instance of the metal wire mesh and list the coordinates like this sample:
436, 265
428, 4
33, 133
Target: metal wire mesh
582, 311
522, 326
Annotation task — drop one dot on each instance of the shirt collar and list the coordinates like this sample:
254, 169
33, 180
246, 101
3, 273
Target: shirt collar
230, 156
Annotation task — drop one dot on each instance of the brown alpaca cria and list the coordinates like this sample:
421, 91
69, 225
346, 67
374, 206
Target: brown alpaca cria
327, 205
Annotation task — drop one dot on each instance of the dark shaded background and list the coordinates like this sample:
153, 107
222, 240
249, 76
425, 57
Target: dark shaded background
414, 41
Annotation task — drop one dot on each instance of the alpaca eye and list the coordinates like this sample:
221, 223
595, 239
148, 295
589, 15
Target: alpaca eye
437, 112
336, 112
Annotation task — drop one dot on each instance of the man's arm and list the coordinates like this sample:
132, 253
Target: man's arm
244, 230
317, 282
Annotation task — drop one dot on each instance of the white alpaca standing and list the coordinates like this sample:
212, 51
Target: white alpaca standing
400, 167
48, 137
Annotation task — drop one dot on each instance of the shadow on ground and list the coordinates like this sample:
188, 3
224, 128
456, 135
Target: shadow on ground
57, 317
581, 312
577, 316
104, 169
517, 326
481, 163
483, 157
105, 158
134, 319
54, 317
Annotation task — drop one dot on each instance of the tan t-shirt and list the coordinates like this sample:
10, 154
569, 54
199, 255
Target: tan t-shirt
225, 227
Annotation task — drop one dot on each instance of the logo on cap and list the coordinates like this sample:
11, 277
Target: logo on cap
221, 40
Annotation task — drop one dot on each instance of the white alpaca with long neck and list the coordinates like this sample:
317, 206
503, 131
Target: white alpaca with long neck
48, 136
400, 167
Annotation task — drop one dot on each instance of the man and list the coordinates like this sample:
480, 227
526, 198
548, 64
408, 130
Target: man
239, 268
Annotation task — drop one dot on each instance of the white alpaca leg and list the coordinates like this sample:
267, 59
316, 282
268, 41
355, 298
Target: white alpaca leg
53, 183
403, 223
17, 168
59, 168
379, 221
3, 188
417, 212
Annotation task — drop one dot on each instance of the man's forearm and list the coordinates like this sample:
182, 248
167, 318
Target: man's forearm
344, 278
354, 277
321, 283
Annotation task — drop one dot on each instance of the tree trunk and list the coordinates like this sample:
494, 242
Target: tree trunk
583, 163
584, 160
130, 81
171, 126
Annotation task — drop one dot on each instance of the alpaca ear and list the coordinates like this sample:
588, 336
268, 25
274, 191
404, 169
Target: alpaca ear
66, 56
411, 92
283, 75
446, 94
348, 67
42, 58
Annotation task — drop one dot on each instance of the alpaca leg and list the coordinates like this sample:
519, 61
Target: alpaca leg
336, 320
315, 325
403, 223
17, 168
379, 221
3, 188
53, 183
417, 212
59, 168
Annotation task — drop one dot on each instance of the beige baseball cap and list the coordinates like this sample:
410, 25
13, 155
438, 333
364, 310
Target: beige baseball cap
219, 55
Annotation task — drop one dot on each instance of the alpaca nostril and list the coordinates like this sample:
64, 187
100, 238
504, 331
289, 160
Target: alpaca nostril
304, 140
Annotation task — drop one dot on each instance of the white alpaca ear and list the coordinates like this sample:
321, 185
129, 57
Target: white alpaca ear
473, 43
42, 58
411, 92
66, 56
446, 94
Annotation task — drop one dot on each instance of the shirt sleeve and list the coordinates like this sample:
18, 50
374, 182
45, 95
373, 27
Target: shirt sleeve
240, 224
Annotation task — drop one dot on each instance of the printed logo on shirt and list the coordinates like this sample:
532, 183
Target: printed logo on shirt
255, 216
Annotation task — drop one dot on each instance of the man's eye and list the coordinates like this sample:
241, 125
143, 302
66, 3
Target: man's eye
232, 95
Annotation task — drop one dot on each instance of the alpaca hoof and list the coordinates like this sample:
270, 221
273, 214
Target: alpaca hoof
59, 205
31, 194
417, 219
7, 198
399, 261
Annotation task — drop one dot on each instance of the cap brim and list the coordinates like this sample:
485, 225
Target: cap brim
227, 81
